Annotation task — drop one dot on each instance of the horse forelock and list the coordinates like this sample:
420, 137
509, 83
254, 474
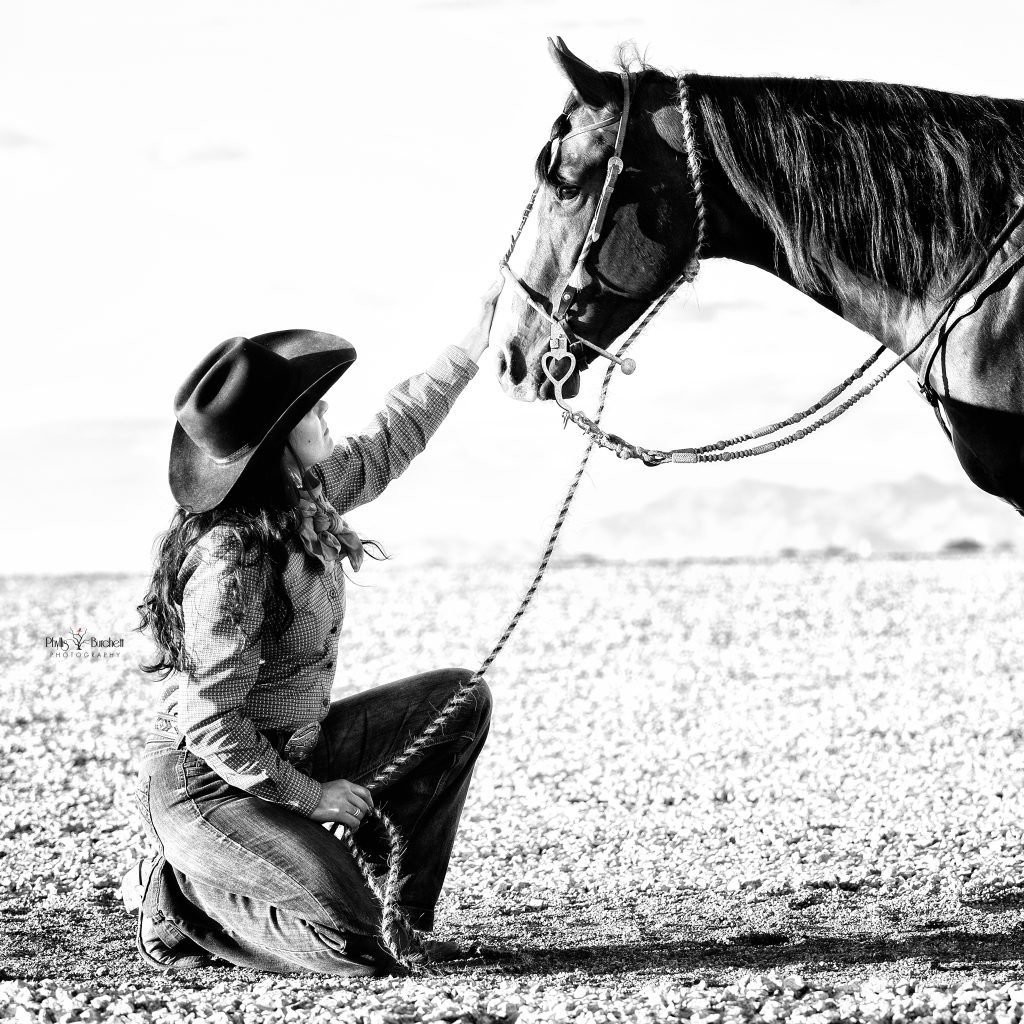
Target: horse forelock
544, 168
901, 183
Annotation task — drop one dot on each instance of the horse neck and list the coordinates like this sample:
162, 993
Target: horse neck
736, 231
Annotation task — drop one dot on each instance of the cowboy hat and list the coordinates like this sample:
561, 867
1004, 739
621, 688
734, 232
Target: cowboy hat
247, 394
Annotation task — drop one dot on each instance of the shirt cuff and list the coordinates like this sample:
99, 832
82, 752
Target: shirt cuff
454, 364
304, 794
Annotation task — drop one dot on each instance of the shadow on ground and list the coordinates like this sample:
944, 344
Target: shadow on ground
74, 938
945, 949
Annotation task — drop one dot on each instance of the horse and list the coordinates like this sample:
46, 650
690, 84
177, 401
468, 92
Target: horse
899, 208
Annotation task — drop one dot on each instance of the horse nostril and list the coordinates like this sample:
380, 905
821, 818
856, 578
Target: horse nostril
517, 366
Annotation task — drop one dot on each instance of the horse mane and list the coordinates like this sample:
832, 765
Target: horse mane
903, 184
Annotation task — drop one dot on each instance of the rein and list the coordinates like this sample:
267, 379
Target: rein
726, 450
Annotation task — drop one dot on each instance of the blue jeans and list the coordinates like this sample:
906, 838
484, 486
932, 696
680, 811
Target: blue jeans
262, 886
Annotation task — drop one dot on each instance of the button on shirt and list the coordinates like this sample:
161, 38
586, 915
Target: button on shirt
242, 679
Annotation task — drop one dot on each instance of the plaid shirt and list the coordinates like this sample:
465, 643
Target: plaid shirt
244, 681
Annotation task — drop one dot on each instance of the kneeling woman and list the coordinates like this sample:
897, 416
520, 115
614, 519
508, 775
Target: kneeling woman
248, 756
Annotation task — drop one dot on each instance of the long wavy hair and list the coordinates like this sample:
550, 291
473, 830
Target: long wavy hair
903, 184
261, 513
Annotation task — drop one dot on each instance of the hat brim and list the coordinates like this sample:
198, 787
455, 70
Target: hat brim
198, 483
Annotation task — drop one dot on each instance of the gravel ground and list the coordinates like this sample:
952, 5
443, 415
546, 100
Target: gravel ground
712, 791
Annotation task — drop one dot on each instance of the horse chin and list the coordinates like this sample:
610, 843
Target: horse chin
536, 386
570, 388
525, 392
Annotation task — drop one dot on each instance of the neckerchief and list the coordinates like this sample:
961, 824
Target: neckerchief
323, 533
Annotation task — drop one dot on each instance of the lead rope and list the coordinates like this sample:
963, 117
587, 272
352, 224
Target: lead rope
387, 888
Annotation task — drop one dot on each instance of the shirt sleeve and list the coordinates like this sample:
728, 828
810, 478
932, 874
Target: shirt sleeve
222, 640
360, 467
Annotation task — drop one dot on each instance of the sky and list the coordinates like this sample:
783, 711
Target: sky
176, 174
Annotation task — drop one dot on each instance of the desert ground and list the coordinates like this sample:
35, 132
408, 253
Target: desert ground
774, 790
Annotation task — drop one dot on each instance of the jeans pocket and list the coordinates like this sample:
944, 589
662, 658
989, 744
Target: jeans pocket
192, 766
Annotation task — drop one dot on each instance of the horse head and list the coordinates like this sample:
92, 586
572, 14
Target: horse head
646, 236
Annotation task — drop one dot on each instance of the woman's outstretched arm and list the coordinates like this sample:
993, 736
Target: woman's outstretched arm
361, 467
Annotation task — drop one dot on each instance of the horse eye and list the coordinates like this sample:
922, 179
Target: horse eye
566, 193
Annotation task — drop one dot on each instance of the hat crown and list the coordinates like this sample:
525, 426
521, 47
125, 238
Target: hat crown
230, 400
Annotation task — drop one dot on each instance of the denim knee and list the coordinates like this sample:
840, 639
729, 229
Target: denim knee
483, 702
477, 710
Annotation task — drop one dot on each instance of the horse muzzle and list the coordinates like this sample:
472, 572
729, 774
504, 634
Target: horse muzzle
527, 381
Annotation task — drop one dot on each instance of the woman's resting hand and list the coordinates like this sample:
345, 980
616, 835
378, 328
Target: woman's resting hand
477, 340
344, 802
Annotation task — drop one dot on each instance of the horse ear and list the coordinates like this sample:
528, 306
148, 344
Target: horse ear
595, 88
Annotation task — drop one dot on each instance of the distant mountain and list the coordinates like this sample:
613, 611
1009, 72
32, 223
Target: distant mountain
919, 514
106, 499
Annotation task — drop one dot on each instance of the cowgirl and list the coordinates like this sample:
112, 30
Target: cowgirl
248, 756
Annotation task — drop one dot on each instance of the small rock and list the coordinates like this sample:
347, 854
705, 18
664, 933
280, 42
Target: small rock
810, 899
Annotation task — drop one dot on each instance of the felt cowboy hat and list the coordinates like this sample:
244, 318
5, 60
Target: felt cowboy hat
246, 395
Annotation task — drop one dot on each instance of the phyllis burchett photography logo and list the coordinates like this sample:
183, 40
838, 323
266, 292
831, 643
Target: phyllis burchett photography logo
80, 643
